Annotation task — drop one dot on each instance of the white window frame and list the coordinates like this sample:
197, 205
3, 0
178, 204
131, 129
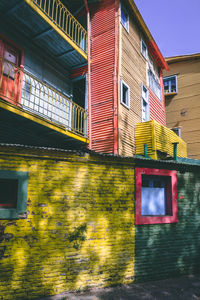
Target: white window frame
170, 92
153, 201
177, 131
145, 100
141, 44
127, 104
154, 85
126, 24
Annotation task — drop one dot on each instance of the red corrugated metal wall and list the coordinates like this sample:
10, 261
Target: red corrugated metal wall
157, 109
102, 75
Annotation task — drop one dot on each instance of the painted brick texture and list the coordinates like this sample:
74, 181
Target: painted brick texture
168, 250
79, 229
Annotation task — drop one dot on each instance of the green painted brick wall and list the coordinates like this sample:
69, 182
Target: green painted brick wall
168, 250
79, 229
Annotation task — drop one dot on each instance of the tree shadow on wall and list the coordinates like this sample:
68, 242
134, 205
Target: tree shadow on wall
79, 230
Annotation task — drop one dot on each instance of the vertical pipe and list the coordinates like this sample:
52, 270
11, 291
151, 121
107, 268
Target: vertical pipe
145, 150
116, 68
175, 150
89, 74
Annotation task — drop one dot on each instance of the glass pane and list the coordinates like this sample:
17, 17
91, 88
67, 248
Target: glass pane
153, 201
125, 95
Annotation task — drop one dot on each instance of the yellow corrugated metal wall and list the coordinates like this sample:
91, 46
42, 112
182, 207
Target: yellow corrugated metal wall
159, 140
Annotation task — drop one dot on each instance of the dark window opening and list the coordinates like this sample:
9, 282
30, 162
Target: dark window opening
9, 191
79, 90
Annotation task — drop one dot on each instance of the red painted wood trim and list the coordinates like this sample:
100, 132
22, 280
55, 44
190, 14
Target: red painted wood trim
171, 194
154, 50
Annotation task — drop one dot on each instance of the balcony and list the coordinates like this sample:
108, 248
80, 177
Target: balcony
159, 140
28, 94
48, 25
59, 18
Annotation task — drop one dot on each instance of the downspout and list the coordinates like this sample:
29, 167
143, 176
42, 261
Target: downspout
116, 69
89, 74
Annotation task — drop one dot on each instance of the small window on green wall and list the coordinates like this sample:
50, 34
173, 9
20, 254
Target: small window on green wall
13, 195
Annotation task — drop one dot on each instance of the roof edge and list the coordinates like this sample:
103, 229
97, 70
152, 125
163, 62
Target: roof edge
172, 59
151, 42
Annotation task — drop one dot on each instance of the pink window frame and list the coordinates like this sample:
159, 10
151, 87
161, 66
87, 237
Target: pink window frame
171, 196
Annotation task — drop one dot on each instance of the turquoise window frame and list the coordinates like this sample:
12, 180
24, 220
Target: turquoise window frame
14, 213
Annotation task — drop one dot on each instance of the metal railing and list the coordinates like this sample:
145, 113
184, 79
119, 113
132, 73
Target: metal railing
65, 21
24, 89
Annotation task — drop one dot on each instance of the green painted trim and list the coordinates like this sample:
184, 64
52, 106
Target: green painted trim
22, 177
189, 161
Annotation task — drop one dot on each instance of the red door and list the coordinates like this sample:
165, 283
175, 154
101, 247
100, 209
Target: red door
10, 73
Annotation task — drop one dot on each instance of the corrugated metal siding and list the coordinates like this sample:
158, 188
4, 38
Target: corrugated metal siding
133, 73
143, 135
156, 109
158, 138
102, 76
165, 138
168, 250
183, 109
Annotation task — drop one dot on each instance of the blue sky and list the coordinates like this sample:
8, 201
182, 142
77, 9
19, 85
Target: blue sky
174, 24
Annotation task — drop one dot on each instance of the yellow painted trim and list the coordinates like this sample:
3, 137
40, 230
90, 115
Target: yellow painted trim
56, 28
41, 121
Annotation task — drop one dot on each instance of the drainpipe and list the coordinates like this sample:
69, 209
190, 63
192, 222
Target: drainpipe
145, 151
116, 70
89, 73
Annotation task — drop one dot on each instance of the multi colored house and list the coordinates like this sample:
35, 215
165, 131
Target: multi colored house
80, 74
88, 169
182, 91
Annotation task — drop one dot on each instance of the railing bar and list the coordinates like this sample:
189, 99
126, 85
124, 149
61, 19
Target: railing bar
53, 8
45, 3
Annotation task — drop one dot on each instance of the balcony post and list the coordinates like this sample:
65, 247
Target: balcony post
89, 74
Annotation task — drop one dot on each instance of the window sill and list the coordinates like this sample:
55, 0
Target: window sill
126, 106
170, 94
127, 29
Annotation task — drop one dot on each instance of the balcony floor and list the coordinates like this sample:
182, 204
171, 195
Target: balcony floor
18, 127
31, 25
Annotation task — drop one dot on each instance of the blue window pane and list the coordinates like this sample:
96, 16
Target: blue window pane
153, 201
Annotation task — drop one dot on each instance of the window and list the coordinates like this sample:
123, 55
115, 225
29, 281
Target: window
156, 196
124, 18
143, 48
154, 85
13, 196
145, 104
125, 94
177, 130
170, 85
